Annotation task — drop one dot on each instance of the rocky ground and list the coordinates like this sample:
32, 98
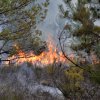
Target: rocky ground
28, 82
21, 83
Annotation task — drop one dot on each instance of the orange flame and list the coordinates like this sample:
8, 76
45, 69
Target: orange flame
45, 58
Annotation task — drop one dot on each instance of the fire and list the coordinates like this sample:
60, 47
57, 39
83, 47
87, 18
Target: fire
45, 58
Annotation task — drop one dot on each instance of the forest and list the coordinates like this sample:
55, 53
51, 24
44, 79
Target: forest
49, 49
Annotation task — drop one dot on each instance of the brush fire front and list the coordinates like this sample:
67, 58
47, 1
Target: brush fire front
45, 57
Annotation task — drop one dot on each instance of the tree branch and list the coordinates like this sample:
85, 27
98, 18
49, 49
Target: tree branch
15, 8
84, 68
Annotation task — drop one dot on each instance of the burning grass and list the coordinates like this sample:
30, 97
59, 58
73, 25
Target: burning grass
45, 58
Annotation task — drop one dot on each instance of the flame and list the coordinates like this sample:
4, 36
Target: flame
45, 58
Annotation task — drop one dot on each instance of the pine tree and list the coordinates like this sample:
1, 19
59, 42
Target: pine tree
18, 21
87, 33
88, 36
